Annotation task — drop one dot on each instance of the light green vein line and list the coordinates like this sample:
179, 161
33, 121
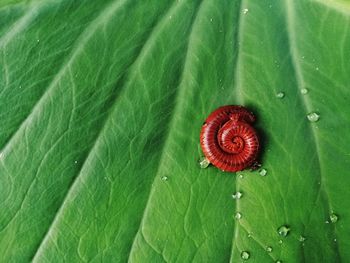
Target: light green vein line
290, 21
339, 6
110, 10
85, 36
83, 39
239, 100
237, 80
177, 108
20, 25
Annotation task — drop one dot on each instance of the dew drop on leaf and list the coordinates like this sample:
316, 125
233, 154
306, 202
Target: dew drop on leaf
333, 217
238, 215
280, 95
280, 241
245, 255
241, 176
302, 238
263, 172
164, 178
237, 195
204, 163
278, 261
245, 11
313, 117
304, 91
269, 249
283, 230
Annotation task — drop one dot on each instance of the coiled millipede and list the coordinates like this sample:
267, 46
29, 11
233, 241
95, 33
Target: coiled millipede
228, 139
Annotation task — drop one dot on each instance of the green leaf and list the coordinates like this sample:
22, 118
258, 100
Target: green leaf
101, 105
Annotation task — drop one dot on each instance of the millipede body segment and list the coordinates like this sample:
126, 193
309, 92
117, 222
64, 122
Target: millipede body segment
228, 139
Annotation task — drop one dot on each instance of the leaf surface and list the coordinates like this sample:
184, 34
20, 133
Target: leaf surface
101, 105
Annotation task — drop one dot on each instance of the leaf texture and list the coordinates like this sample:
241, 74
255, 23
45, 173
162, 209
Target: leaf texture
101, 104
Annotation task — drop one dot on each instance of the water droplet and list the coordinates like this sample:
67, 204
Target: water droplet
278, 261
302, 57
280, 241
333, 217
211, 19
204, 163
75, 161
38, 40
250, 235
170, 17
313, 117
241, 176
245, 255
283, 230
317, 68
304, 91
269, 249
335, 240
20, 87
237, 195
327, 222
238, 215
280, 95
164, 178
263, 172
302, 238
245, 11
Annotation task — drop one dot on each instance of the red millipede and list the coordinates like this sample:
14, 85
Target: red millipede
228, 139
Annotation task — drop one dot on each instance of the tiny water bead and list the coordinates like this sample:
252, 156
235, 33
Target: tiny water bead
304, 91
333, 217
237, 195
313, 117
245, 11
280, 241
164, 178
245, 255
238, 215
241, 176
302, 238
263, 172
283, 230
269, 249
278, 261
204, 163
280, 95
